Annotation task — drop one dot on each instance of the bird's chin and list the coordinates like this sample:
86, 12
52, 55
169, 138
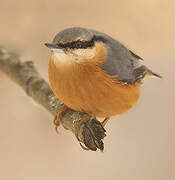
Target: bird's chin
75, 55
56, 50
60, 56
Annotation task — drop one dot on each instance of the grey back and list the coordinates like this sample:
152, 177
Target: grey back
121, 61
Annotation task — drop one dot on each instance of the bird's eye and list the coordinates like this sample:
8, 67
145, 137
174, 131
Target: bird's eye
78, 45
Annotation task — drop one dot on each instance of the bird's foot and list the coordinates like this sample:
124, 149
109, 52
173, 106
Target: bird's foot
91, 133
57, 119
103, 123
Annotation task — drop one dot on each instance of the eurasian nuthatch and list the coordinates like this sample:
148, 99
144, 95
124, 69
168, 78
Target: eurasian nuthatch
90, 71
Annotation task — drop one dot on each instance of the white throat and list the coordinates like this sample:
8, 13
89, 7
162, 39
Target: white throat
64, 56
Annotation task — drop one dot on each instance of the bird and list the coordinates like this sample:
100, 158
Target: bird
89, 71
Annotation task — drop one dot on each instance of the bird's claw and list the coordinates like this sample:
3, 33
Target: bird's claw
57, 119
57, 123
103, 123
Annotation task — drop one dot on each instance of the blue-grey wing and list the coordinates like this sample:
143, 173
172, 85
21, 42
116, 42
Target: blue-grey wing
121, 61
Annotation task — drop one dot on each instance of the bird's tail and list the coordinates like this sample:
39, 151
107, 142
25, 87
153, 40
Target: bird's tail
151, 73
142, 71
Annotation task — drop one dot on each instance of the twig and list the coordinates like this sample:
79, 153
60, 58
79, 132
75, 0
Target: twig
87, 130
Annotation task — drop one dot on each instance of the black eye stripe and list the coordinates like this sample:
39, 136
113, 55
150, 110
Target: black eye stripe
77, 44
81, 44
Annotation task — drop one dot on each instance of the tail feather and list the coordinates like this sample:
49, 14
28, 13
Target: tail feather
142, 71
153, 74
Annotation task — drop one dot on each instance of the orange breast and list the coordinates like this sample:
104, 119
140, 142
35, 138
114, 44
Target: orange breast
85, 87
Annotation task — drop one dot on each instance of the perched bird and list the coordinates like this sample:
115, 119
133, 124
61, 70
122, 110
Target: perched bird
91, 72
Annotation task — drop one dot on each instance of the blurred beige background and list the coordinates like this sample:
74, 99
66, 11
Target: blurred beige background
140, 145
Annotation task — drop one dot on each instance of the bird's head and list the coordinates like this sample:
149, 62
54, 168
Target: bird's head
74, 44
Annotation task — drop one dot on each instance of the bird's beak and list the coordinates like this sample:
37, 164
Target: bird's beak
52, 46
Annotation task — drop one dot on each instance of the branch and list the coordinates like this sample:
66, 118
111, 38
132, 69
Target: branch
87, 130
